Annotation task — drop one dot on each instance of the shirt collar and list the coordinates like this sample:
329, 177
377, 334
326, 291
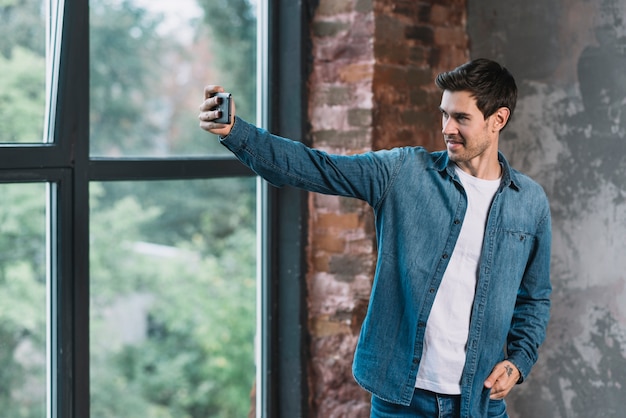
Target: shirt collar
509, 176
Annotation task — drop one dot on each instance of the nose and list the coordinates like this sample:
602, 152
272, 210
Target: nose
448, 126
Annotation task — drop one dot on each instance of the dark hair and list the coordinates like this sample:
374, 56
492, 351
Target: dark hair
488, 82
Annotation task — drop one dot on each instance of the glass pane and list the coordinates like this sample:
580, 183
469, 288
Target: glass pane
173, 298
23, 315
149, 63
23, 70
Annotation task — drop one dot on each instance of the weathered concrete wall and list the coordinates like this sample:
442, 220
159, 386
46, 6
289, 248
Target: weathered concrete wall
569, 133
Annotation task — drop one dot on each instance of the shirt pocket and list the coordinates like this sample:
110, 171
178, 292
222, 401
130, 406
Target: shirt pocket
512, 250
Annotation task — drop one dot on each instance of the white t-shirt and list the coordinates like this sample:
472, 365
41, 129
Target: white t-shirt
447, 328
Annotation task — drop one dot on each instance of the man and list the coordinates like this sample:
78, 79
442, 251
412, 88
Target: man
461, 294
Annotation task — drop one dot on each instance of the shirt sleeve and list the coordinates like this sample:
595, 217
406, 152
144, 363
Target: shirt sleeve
282, 161
532, 307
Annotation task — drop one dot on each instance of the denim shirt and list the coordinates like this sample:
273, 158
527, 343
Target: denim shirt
419, 205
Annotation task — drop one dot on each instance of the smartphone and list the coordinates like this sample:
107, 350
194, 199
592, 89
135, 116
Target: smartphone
224, 108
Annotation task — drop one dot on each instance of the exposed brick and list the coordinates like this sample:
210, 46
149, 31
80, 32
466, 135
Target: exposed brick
321, 262
323, 326
325, 29
337, 220
347, 204
390, 74
352, 51
418, 119
387, 96
364, 6
386, 54
439, 14
329, 118
423, 34
357, 72
433, 60
418, 76
360, 117
418, 97
406, 7
326, 202
339, 52
331, 95
340, 140
424, 13
371, 87
417, 54
334, 7
450, 36
452, 57
388, 28
330, 242
347, 266
342, 315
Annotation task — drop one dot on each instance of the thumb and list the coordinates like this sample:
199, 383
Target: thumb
491, 379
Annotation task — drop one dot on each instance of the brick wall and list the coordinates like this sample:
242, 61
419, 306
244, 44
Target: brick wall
413, 42
371, 87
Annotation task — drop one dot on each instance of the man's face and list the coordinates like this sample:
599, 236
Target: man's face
469, 137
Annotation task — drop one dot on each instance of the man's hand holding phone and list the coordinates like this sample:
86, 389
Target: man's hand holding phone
217, 111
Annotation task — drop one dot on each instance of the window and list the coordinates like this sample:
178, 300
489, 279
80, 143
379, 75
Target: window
23, 56
129, 245
172, 262
23, 288
172, 290
148, 62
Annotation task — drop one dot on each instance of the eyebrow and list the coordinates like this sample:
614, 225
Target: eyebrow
455, 115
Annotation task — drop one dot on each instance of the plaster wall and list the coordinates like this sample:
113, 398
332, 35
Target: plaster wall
569, 133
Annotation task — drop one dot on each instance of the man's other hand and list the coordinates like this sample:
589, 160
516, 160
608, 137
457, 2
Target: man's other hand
502, 379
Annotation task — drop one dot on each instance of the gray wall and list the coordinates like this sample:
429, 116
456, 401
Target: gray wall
569, 133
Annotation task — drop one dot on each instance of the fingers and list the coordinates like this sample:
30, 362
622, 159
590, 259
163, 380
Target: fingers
502, 379
209, 113
210, 100
210, 126
211, 90
207, 123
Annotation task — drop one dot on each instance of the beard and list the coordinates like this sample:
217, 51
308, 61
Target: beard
460, 150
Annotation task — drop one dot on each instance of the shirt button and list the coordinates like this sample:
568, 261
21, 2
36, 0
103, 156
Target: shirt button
431, 290
444, 256
421, 324
456, 221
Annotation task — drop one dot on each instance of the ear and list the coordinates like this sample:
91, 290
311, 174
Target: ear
500, 118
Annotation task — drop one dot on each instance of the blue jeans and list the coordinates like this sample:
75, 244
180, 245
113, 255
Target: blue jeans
424, 404
427, 404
